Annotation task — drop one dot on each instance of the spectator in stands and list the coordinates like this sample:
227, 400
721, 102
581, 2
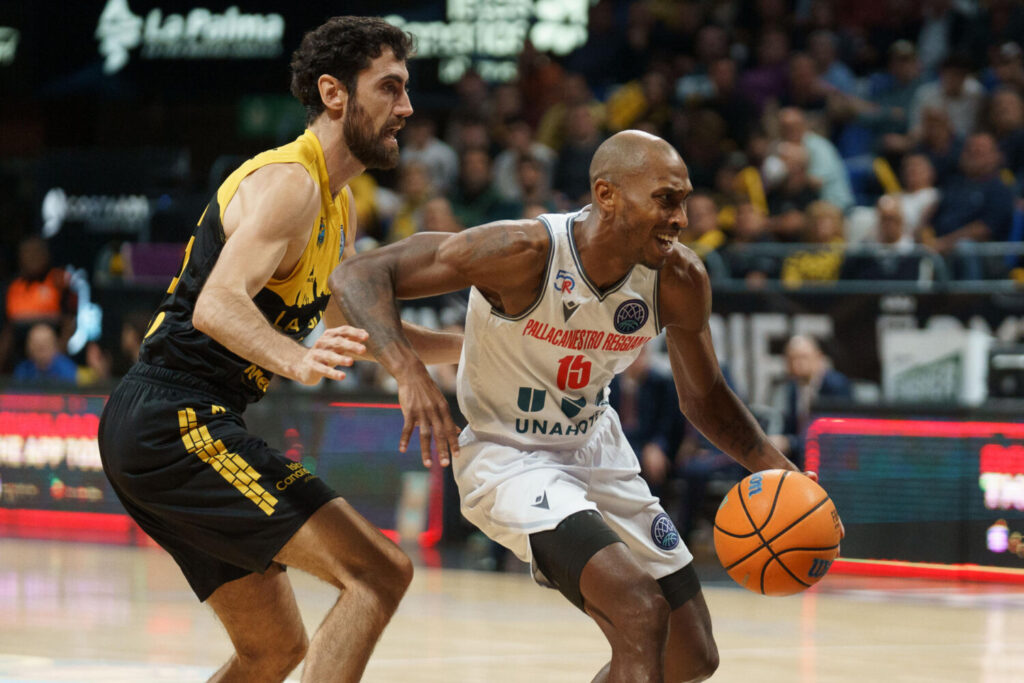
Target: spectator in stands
956, 91
729, 102
133, 331
996, 23
552, 131
415, 187
422, 145
805, 89
698, 85
886, 111
474, 199
519, 143
1006, 68
38, 293
533, 184
438, 216
938, 140
767, 80
791, 191
702, 234
976, 206
644, 396
572, 170
700, 137
824, 162
44, 363
645, 100
505, 108
891, 258
1006, 123
742, 256
824, 228
920, 196
823, 47
809, 377
941, 26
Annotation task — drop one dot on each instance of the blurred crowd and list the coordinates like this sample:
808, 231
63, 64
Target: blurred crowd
896, 127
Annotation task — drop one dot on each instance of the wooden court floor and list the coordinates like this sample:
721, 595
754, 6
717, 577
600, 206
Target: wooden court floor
91, 613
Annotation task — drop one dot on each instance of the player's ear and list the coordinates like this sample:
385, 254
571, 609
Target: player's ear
333, 94
603, 197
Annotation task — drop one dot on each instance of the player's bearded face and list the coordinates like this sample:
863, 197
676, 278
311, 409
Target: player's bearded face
373, 148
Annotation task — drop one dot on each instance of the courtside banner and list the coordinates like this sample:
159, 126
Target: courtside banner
52, 483
750, 330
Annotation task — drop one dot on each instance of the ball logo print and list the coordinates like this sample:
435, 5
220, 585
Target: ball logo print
630, 316
664, 533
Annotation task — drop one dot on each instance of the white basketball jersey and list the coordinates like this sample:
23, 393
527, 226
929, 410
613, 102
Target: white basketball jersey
540, 379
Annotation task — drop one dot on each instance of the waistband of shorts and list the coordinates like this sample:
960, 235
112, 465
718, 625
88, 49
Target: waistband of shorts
182, 380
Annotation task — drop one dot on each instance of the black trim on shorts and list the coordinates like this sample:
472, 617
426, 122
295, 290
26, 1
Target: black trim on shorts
562, 552
680, 586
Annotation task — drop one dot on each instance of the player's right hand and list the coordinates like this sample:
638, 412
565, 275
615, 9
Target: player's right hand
336, 346
424, 405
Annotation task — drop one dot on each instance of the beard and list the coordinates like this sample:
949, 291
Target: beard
371, 148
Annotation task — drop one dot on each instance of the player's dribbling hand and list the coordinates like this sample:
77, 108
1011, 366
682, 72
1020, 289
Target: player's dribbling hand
336, 346
424, 405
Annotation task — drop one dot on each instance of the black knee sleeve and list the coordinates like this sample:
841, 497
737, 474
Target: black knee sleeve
679, 586
562, 552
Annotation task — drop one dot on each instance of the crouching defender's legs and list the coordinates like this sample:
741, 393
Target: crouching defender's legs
339, 546
639, 615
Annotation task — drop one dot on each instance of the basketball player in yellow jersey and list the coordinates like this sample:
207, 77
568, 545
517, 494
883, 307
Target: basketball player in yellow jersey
253, 284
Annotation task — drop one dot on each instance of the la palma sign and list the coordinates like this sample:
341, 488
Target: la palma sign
198, 34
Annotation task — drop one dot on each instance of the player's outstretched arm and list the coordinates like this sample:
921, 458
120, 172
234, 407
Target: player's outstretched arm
704, 397
268, 221
432, 346
495, 258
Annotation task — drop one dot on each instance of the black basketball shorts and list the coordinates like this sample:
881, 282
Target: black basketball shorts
217, 498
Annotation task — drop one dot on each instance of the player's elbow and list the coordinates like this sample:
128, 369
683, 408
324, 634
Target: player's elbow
204, 314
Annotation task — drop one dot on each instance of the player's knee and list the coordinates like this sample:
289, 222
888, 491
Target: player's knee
641, 612
294, 652
277, 661
390, 577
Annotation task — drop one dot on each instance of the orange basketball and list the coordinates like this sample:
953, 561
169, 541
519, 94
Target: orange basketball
777, 532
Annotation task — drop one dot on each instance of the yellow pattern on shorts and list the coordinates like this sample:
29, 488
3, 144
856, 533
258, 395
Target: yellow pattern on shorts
232, 466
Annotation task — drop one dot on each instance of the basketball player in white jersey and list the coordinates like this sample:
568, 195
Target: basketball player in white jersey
558, 306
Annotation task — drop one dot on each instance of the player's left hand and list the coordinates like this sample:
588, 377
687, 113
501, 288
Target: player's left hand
424, 406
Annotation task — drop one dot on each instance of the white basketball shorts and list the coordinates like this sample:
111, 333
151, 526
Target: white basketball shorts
510, 493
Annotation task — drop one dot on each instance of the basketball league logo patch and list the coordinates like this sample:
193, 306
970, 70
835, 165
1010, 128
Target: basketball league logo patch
630, 316
663, 532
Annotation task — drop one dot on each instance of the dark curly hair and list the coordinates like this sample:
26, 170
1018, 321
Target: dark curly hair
342, 47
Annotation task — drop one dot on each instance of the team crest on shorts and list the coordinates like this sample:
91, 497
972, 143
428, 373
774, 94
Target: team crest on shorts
663, 532
630, 316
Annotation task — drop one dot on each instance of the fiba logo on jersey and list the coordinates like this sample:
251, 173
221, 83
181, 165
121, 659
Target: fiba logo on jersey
663, 532
630, 316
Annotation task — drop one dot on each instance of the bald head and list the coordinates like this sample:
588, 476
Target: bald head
626, 154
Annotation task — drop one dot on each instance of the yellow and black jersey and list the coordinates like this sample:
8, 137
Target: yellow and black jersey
293, 304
